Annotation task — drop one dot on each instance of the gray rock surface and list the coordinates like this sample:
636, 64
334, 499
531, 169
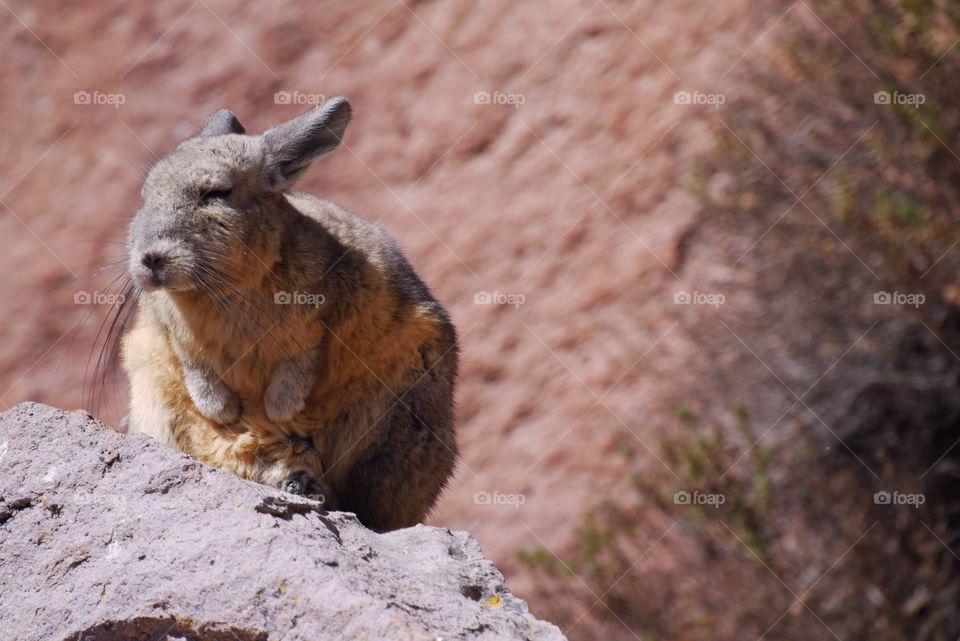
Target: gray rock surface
112, 537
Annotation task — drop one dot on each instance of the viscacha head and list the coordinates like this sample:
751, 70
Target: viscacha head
211, 206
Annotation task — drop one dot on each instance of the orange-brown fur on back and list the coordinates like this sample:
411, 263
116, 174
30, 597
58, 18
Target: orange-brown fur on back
366, 364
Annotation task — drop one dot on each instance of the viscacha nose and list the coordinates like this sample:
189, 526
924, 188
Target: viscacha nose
154, 262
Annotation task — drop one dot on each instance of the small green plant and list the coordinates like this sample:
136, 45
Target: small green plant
539, 558
707, 461
614, 538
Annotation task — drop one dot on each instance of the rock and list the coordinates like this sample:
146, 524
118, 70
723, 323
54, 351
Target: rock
105, 536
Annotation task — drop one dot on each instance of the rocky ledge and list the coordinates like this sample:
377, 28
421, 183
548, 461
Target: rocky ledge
111, 537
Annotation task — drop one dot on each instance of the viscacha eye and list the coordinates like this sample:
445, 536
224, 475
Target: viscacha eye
216, 194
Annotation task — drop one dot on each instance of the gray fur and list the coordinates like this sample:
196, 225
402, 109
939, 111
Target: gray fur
223, 121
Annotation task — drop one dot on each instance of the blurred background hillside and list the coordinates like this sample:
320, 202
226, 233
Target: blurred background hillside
702, 256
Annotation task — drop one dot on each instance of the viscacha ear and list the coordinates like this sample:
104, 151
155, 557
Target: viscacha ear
223, 121
290, 147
